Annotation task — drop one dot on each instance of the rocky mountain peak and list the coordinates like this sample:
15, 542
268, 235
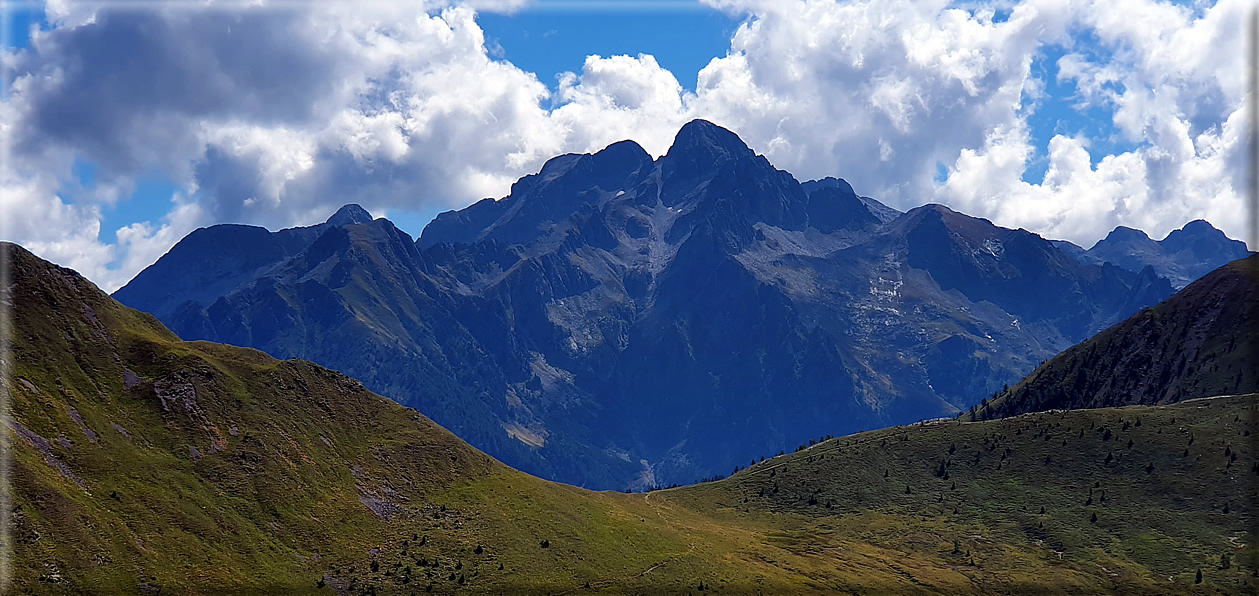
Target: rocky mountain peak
349, 215
622, 152
1126, 234
1202, 237
704, 144
838, 184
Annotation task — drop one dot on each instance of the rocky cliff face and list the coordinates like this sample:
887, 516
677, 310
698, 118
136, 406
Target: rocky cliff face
622, 321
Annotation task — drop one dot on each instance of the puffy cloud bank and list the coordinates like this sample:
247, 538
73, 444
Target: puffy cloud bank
275, 115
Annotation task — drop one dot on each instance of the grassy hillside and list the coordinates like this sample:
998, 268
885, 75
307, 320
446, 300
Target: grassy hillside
1198, 343
1135, 499
142, 463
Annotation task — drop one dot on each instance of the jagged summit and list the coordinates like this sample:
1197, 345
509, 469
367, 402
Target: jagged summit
1199, 236
621, 173
623, 151
881, 212
831, 182
705, 144
349, 215
1199, 226
833, 205
1125, 234
933, 213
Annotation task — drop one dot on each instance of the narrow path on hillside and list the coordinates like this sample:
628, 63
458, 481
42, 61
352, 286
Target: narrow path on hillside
619, 580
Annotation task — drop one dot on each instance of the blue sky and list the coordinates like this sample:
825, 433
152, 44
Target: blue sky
549, 41
18, 21
1059, 112
240, 118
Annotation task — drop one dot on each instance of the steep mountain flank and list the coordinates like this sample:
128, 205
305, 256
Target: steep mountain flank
1198, 343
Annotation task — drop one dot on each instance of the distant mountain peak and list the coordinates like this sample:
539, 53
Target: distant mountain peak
624, 150
936, 207
1124, 233
1197, 230
1183, 256
707, 143
832, 182
1199, 225
880, 211
935, 212
349, 215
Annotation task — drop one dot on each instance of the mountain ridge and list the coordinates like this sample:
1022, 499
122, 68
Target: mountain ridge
1184, 255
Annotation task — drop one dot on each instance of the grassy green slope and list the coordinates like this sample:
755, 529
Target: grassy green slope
1172, 489
142, 462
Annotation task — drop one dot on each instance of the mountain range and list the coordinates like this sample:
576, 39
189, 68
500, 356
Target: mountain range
1183, 256
622, 321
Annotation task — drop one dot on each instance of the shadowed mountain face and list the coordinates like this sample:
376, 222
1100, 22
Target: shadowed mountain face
1198, 343
622, 321
1183, 256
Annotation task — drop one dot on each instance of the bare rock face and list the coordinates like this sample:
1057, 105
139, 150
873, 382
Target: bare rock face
129, 379
78, 419
177, 392
45, 448
383, 508
350, 215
